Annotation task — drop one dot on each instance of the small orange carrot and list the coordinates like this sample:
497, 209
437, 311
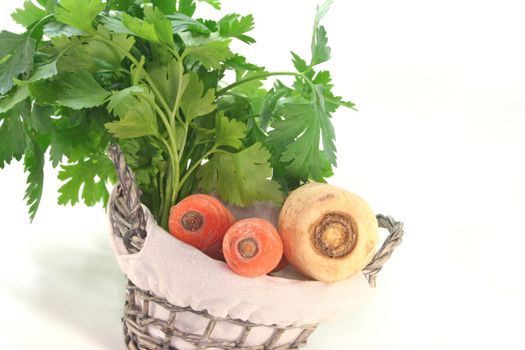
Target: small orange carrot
282, 264
252, 247
201, 221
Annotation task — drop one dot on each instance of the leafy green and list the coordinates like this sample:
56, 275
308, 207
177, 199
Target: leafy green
210, 54
195, 102
16, 57
215, 3
13, 98
269, 105
137, 118
241, 178
167, 78
189, 114
34, 166
187, 7
320, 49
77, 91
44, 71
140, 28
86, 178
76, 133
79, 14
235, 26
181, 23
72, 54
229, 132
166, 6
28, 15
161, 24
54, 29
12, 137
300, 133
41, 118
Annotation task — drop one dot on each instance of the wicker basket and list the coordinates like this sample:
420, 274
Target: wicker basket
146, 332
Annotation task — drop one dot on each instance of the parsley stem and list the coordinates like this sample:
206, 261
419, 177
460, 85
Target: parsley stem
169, 127
265, 75
184, 138
167, 201
196, 165
175, 110
255, 77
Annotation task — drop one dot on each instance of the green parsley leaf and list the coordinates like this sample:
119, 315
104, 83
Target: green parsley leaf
320, 49
161, 24
155, 27
187, 7
90, 175
50, 5
323, 82
228, 132
215, 3
300, 133
111, 56
235, 26
74, 90
16, 57
34, 166
41, 118
28, 15
181, 23
54, 29
166, 78
140, 28
42, 72
301, 66
71, 55
195, 102
270, 103
13, 98
137, 118
239, 62
166, 6
253, 92
210, 54
79, 14
240, 178
13, 139
76, 133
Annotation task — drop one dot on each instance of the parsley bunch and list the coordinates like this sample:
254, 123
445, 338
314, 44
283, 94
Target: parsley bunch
149, 76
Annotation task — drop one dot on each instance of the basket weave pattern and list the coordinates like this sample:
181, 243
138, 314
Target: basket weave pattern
153, 323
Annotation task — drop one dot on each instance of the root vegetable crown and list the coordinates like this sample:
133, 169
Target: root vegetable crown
328, 234
248, 248
335, 235
252, 247
192, 221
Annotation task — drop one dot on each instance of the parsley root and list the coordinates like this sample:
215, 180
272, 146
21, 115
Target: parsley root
201, 221
252, 247
328, 233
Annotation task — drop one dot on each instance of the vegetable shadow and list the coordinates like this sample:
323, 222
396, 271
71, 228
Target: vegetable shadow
81, 287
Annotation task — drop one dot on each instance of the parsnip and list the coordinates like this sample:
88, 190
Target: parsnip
328, 234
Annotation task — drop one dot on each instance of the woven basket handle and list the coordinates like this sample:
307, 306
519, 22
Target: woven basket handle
383, 254
128, 215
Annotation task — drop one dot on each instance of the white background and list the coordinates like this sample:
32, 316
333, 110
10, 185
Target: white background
438, 142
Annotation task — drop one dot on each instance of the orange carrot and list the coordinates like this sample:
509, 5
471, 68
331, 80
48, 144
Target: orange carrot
252, 247
201, 221
282, 264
